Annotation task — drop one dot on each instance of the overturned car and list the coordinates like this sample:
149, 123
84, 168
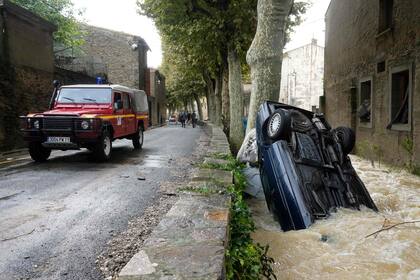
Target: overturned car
304, 166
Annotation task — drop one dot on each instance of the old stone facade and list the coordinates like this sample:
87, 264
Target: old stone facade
121, 57
302, 76
27, 68
372, 74
156, 91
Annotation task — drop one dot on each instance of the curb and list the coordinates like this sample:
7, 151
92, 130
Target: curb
190, 241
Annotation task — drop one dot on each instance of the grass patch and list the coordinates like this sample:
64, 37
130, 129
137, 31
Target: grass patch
222, 156
244, 258
204, 190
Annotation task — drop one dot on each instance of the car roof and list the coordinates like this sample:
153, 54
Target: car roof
113, 87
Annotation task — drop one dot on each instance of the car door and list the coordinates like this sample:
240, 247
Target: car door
129, 117
117, 119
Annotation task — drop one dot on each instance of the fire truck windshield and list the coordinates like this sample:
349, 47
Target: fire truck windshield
85, 95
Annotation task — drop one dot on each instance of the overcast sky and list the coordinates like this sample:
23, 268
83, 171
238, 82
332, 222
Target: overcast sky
122, 15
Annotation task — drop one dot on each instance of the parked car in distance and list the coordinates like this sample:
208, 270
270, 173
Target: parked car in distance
87, 116
305, 169
173, 120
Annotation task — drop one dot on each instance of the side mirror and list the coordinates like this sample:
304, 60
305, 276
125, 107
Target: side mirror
56, 83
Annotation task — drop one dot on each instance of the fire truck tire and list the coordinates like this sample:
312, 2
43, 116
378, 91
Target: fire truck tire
103, 148
138, 139
38, 152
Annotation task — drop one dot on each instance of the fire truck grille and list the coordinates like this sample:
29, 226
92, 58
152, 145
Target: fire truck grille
57, 123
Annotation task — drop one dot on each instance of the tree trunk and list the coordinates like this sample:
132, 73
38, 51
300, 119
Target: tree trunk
218, 100
199, 107
207, 105
265, 54
211, 105
236, 135
225, 100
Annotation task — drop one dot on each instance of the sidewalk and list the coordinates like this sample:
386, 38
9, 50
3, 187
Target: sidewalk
190, 241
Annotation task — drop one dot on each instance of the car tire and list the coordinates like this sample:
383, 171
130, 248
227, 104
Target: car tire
38, 152
103, 148
138, 139
346, 137
279, 125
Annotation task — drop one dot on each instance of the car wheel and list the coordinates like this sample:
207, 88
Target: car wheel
38, 152
279, 125
138, 139
103, 147
346, 137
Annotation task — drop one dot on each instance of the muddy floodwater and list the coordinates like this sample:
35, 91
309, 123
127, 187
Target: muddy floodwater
337, 248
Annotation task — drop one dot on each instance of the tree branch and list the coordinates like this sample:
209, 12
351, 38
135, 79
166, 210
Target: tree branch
390, 227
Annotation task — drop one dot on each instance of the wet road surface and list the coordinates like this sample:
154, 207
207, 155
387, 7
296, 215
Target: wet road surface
56, 217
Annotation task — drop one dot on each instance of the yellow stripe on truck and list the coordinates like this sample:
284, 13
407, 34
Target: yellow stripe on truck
116, 116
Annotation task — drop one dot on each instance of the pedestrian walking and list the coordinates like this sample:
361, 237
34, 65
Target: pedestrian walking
194, 119
189, 117
182, 119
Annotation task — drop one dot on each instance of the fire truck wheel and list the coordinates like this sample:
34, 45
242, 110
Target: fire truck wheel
103, 148
38, 152
138, 139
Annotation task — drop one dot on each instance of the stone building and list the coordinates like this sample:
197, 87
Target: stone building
156, 91
302, 76
120, 57
372, 74
26, 67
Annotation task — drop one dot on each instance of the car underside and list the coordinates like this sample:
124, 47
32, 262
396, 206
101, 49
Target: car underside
304, 164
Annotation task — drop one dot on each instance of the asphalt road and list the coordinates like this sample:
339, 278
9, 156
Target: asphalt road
56, 217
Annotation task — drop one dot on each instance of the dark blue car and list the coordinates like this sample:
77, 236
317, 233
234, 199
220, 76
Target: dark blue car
305, 169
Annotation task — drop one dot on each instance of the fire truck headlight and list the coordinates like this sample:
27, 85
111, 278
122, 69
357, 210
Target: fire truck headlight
85, 125
36, 124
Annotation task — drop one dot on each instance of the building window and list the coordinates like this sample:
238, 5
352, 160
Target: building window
381, 67
364, 111
385, 14
400, 98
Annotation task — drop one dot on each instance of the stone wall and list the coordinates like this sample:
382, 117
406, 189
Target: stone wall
302, 76
124, 56
67, 77
356, 51
26, 72
156, 91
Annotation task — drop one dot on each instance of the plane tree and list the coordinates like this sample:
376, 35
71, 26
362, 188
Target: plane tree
62, 14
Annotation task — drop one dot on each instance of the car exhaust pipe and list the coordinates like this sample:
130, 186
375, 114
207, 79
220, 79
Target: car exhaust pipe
56, 85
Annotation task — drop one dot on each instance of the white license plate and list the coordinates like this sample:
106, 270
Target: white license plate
58, 140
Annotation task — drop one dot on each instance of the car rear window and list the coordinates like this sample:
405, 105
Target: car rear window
85, 95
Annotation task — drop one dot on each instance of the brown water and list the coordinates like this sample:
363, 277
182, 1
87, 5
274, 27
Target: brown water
337, 248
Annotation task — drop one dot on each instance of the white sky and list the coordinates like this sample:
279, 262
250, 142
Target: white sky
312, 27
121, 15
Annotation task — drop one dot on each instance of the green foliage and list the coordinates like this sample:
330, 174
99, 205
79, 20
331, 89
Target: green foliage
299, 8
60, 13
197, 35
244, 258
370, 151
204, 190
408, 145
